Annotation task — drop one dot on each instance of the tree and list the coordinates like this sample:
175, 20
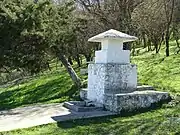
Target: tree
32, 32
149, 21
87, 29
176, 24
169, 6
61, 35
110, 14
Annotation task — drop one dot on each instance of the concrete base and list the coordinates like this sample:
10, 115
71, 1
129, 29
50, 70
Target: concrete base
144, 97
84, 91
127, 102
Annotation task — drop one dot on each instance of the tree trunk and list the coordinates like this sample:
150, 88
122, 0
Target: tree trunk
48, 66
77, 58
159, 46
156, 48
76, 80
81, 60
134, 49
177, 43
149, 45
167, 44
169, 18
167, 37
88, 58
144, 41
70, 60
57, 63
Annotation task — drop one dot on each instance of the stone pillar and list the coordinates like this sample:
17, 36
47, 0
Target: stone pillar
112, 72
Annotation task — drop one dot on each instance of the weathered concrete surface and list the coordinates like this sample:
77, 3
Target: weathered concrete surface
134, 101
41, 114
83, 91
81, 106
110, 79
144, 87
143, 97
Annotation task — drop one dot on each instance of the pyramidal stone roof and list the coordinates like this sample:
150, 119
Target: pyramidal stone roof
113, 34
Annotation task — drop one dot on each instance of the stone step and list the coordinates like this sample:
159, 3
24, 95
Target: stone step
80, 106
144, 87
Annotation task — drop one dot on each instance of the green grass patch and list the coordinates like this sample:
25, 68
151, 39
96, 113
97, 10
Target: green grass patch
159, 71
53, 87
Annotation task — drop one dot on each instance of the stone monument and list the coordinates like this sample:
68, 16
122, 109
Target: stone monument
112, 79
112, 72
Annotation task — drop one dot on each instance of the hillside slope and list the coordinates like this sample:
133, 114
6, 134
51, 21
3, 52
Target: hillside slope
153, 69
160, 72
56, 86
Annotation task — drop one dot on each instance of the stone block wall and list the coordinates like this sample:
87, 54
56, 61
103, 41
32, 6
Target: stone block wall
110, 79
133, 101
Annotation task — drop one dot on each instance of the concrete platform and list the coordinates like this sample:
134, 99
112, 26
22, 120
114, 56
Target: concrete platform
42, 114
83, 92
137, 100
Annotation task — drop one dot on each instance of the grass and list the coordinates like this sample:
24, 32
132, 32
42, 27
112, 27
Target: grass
158, 122
153, 69
159, 71
49, 88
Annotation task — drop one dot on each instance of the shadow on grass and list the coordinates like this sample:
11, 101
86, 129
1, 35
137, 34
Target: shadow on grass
60, 89
84, 122
112, 125
147, 123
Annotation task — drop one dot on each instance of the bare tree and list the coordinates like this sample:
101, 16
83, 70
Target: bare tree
169, 6
176, 25
150, 23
